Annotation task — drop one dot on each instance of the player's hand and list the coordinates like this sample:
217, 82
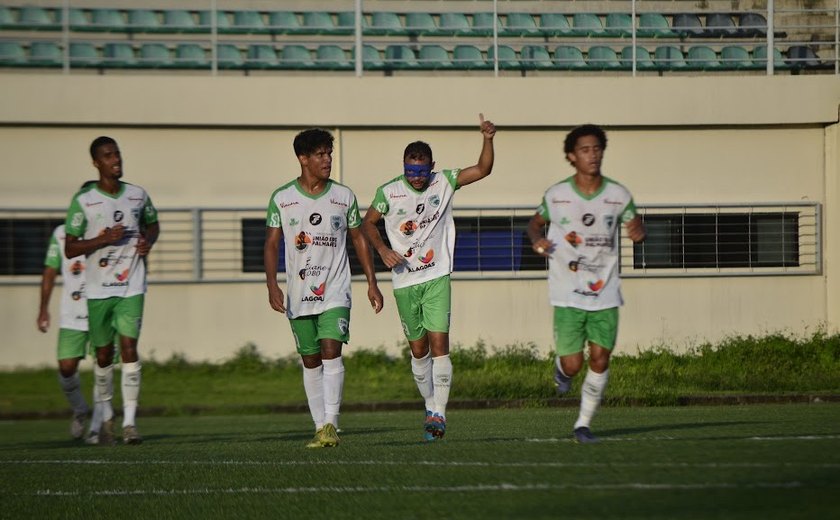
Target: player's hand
375, 298
114, 234
488, 129
391, 258
143, 246
543, 247
276, 299
636, 229
43, 321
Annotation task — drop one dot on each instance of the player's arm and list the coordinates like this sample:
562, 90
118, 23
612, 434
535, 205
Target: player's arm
636, 229
485, 160
363, 252
388, 255
75, 246
271, 254
148, 238
47, 285
540, 244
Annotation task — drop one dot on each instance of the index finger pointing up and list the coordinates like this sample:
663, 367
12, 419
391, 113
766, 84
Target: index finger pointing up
481, 118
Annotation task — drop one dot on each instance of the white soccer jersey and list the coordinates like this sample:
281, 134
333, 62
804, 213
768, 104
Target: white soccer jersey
583, 268
74, 313
116, 269
420, 226
315, 234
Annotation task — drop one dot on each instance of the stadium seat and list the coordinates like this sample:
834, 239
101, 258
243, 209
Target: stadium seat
535, 57
248, 22
7, 19
803, 57
371, 58
760, 58
482, 24
107, 20
687, 24
283, 22
296, 57
37, 18
420, 23
521, 24
454, 23
400, 57
79, 19
602, 57
720, 25
178, 20
586, 24
555, 24
155, 55
223, 24
643, 58
654, 25
468, 57
12, 54
507, 57
45, 54
385, 23
332, 57
317, 22
143, 21
734, 57
119, 54
702, 57
84, 54
191, 55
229, 56
262, 56
752, 24
669, 57
618, 24
346, 22
568, 57
435, 57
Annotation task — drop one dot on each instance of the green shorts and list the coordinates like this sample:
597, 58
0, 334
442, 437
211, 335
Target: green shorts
310, 330
111, 316
573, 327
425, 307
72, 343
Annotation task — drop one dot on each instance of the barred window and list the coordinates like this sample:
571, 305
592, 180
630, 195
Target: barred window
23, 244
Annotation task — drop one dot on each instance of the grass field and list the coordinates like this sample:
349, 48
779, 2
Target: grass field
733, 462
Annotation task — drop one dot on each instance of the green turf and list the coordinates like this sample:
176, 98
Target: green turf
732, 462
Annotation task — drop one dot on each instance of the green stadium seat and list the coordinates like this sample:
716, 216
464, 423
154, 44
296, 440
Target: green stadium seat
223, 23
191, 56
804, 57
602, 57
385, 23
687, 24
155, 55
587, 24
262, 56
720, 25
84, 54
296, 57
371, 58
468, 57
318, 22
760, 58
7, 19
752, 24
535, 57
507, 57
555, 24
400, 57
229, 56
144, 21
567, 57
179, 20
669, 57
482, 24
454, 23
107, 20
654, 25
734, 57
420, 23
346, 22
618, 25
119, 54
37, 19
520, 24
248, 22
79, 19
12, 54
332, 57
702, 57
45, 54
283, 22
643, 58
434, 57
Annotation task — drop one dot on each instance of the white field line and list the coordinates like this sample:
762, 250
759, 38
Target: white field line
667, 438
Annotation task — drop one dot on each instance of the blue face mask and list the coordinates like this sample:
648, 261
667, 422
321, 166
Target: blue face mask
417, 171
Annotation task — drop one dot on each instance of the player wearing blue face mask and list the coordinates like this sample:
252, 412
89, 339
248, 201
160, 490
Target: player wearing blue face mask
417, 208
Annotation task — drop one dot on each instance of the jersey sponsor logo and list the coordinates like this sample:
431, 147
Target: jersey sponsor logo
609, 220
302, 240
593, 288
315, 219
118, 216
77, 267
420, 207
325, 240
123, 276
76, 295
573, 239
588, 219
428, 220
336, 222
338, 202
426, 261
343, 325
627, 216
135, 198
581, 265
397, 195
274, 220
434, 200
560, 201
382, 207
565, 221
614, 202
135, 214
285, 204
408, 228
107, 259
317, 293
77, 219
430, 254
599, 241
409, 252
311, 270
294, 222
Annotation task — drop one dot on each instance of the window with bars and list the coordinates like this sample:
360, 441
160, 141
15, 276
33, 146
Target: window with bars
23, 244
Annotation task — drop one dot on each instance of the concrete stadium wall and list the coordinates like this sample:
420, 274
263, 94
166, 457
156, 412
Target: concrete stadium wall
212, 142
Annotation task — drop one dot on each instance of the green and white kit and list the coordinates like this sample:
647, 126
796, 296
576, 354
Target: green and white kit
74, 311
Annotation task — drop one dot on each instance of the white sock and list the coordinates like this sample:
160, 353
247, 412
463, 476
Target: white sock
422, 370
105, 385
442, 377
96, 420
590, 396
130, 391
72, 388
333, 389
313, 384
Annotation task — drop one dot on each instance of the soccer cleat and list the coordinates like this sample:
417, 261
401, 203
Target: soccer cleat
130, 435
562, 382
428, 428
77, 427
106, 433
325, 437
92, 438
316, 440
584, 436
435, 427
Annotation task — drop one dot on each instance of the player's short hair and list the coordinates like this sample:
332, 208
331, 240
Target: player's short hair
100, 141
583, 131
418, 151
309, 141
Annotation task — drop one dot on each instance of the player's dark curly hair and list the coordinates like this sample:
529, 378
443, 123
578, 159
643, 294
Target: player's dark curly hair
582, 131
309, 141
99, 141
419, 151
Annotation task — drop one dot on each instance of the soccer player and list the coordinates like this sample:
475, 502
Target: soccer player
114, 225
583, 213
417, 207
313, 215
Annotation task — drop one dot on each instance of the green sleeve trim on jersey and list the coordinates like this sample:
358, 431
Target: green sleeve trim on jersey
54, 256
150, 215
542, 209
452, 177
629, 212
354, 219
76, 223
272, 216
380, 203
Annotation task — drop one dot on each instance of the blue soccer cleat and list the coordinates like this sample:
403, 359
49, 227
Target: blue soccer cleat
434, 426
584, 436
562, 382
